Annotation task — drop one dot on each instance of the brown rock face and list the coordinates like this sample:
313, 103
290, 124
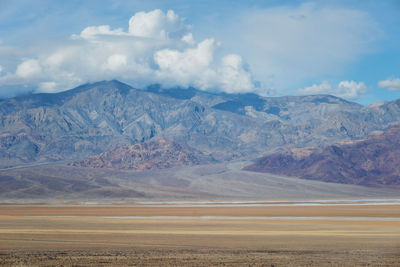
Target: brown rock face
160, 154
372, 162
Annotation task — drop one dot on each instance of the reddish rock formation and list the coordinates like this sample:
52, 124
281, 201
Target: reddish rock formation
153, 155
372, 162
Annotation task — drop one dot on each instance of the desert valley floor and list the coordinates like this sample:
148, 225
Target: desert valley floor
199, 133
225, 233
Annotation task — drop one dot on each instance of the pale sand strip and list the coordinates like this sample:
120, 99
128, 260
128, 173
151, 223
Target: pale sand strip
231, 218
202, 232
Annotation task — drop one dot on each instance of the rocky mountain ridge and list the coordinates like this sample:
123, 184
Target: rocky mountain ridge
99, 117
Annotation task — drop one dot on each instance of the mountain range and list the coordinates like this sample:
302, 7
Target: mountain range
104, 134
99, 117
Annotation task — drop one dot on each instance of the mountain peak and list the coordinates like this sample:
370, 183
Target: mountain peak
104, 85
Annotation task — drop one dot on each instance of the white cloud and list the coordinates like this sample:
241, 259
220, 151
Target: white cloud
1, 68
116, 62
186, 66
233, 76
157, 48
93, 31
392, 84
156, 24
29, 68
47, 87
188, 38
345, 89
196, 66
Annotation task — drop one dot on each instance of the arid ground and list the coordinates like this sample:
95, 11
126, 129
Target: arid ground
350, 234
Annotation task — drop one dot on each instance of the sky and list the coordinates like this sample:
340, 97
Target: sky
349, 48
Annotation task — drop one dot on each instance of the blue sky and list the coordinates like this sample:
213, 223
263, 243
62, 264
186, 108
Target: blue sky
346, 48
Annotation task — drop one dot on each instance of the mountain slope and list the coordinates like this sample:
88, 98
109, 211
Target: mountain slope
52, 182
372, 162
153, 155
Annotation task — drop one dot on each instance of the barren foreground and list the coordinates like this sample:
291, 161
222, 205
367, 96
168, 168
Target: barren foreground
80, 235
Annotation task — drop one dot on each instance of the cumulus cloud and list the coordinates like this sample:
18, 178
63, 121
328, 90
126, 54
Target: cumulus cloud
115, 62
196, 67
29, 68
234, 77
345, 89
391, 84
158, 47
154, 24
186, 65
1, 68
157, 24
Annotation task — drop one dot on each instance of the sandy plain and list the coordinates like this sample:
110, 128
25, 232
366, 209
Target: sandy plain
153, 235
